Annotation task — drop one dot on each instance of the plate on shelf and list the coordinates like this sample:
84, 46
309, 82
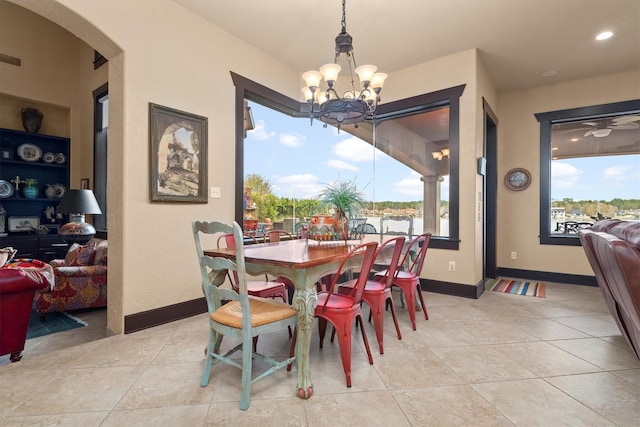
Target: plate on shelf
6, 189
61, 158
49, 157
23, 223
29, 152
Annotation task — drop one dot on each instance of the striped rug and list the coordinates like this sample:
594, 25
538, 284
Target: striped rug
517, 287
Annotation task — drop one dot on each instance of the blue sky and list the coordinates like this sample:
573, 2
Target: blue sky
297, 159
596, 178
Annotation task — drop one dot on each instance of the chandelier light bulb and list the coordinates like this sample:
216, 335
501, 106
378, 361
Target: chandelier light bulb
312, 78
378, 80
365, 73
445, 152
308, 95
330, 72
322, 97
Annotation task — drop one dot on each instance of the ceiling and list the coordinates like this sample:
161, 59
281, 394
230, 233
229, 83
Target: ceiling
518, 40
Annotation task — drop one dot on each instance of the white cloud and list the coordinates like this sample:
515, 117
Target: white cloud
621, 174
340, 164
410, 186
292, 140
355, 150
564, 175
259, 133
299, 186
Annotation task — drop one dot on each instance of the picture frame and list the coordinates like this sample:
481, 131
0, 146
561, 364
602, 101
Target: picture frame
517, 179
84, 184
178, 155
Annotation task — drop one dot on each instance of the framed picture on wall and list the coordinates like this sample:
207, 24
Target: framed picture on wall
178, 155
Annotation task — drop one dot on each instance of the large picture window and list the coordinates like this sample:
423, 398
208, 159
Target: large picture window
407, 165
590, 168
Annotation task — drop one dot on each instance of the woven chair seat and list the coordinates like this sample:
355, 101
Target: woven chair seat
263, 311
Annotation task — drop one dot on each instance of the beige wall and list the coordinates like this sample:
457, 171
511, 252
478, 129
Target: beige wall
518, 146
173, 58
453, 70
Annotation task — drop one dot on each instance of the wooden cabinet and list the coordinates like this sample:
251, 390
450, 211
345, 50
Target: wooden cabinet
42, 160
44, 248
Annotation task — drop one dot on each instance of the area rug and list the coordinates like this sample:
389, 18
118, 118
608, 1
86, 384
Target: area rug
55, 322
517, 287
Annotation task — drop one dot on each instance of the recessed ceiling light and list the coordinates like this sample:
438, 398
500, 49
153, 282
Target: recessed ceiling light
574, 139
549, 73
604, 35
554, 148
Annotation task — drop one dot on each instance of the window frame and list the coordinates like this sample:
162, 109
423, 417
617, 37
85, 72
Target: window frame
569, 115
248, 89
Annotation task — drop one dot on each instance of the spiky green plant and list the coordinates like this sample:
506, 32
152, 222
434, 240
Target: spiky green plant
344, 196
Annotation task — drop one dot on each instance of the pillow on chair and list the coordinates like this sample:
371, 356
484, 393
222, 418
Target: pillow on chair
80, 255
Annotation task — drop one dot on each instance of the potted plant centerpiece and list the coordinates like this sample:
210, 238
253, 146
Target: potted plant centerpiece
346, 199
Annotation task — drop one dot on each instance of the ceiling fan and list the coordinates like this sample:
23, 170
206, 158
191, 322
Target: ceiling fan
616, 123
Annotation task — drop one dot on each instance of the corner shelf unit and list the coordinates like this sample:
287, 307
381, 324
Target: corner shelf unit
12, 166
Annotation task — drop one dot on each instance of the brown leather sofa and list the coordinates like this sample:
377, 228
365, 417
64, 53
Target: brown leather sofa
613, 250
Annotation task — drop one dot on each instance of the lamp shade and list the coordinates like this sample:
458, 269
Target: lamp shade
79, 202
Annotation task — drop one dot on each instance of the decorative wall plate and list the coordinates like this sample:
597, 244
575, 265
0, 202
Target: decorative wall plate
61, 158
49, 157
6, 189
517, 179
29, 152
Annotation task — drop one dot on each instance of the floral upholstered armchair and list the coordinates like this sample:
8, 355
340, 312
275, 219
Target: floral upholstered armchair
80, 280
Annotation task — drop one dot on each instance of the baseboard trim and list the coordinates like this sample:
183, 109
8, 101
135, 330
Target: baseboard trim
454, 289
160, 316
545, 276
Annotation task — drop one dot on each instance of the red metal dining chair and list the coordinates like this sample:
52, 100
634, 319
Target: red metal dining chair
377, 293
409, 280
341, 310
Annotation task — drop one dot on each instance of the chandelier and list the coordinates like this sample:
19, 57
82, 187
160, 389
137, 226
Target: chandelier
356, 104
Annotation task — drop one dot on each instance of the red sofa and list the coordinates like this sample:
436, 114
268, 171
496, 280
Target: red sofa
613, 250
17, 290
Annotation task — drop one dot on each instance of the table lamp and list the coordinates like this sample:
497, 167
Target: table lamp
77, 203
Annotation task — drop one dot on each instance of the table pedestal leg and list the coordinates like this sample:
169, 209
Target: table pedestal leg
305, 302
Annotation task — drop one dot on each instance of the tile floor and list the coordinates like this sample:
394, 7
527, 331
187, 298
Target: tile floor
501, 360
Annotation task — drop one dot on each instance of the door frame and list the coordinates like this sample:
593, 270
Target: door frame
490, 190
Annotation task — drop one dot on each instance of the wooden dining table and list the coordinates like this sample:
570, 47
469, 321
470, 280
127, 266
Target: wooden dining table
304, 262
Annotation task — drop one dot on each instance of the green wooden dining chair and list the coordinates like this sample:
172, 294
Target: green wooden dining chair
236, 314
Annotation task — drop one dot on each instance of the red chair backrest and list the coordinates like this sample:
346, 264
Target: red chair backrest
397, 243
369, 250
419, 244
